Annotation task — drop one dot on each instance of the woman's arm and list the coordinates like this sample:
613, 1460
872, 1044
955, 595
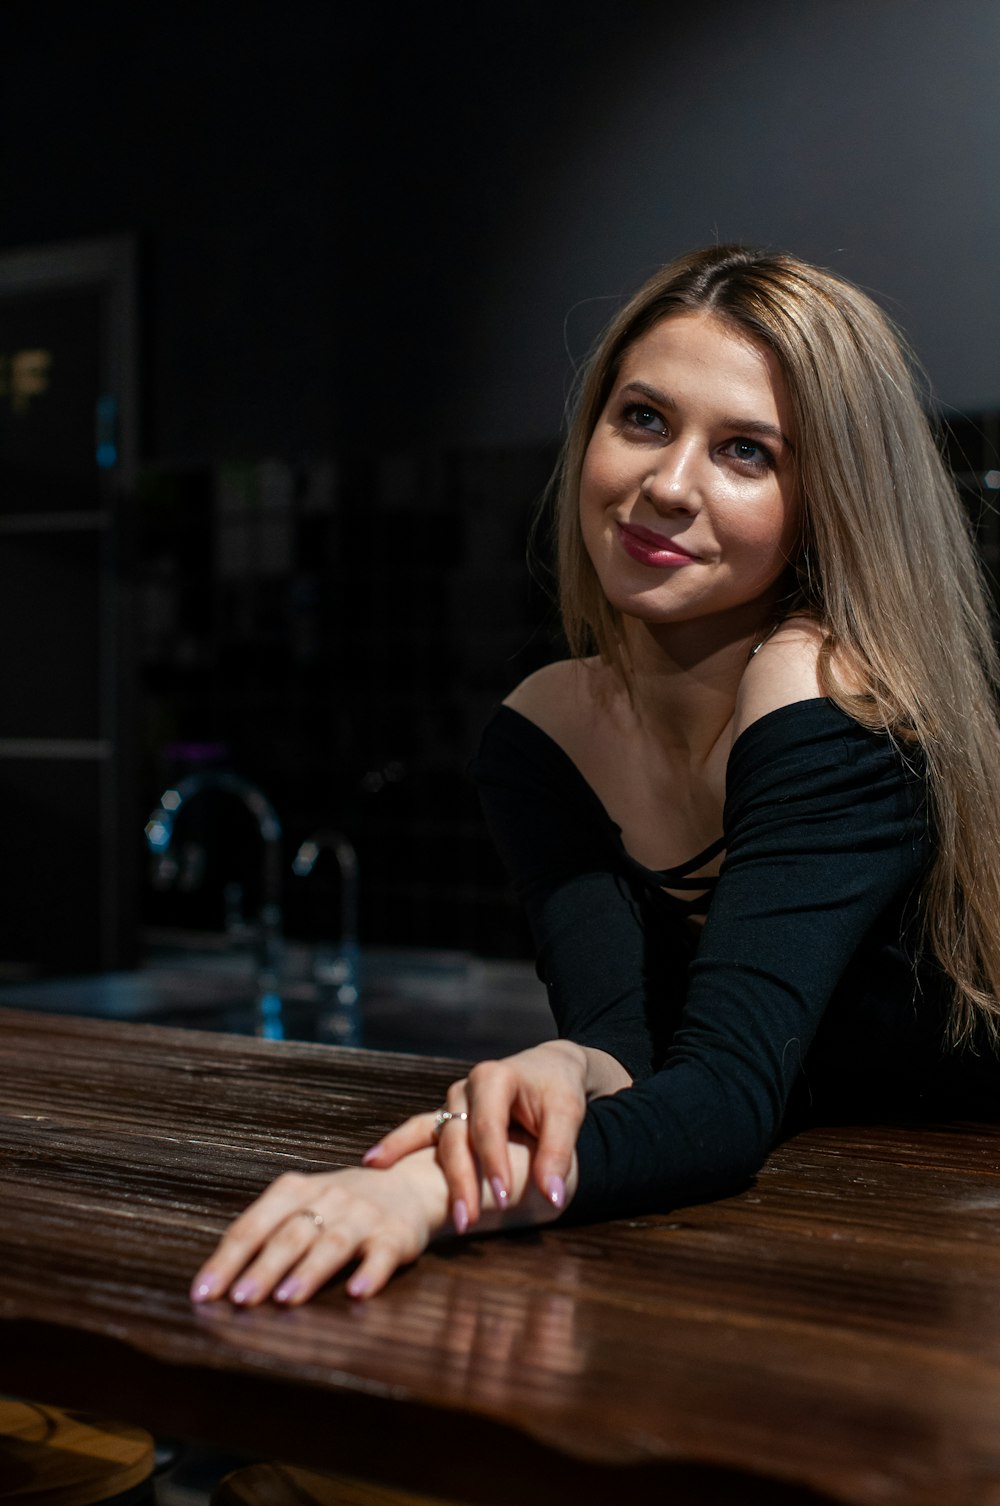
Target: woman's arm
306, 1228
545, 1090
827, 840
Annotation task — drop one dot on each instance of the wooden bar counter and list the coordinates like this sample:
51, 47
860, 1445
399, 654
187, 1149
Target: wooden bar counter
832, 1334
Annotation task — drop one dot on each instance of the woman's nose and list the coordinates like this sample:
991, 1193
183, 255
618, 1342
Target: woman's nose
672, 482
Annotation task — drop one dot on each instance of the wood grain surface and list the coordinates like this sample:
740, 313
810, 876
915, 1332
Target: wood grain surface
831, 1334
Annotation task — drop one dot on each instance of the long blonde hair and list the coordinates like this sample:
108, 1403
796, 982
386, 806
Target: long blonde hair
886, 565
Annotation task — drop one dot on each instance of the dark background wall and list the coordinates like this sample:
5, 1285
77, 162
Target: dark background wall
373, 244
375, 220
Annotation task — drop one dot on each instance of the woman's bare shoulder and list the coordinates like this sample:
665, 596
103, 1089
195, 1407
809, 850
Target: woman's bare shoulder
783, 670
558, 695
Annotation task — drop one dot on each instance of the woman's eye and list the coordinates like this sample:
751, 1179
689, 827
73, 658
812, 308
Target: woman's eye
750, 454
644, 418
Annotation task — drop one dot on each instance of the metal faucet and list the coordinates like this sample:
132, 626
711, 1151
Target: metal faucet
336, 968
159, 836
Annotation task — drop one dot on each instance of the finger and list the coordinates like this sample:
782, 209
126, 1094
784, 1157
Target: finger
382, 1260
336, 1247
557, 1137
319, 1239
413, 1134
287, 1246
457, 1162
247, 1234
381, 1253
492, 1090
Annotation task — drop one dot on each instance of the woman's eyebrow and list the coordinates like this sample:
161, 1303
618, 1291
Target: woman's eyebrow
756, 426
661, 399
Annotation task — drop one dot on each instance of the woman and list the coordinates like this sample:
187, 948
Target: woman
753, 819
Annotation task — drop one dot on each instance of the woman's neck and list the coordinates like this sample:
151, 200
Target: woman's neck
683, 680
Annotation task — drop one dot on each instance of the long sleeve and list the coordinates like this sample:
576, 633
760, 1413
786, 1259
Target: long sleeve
827, 838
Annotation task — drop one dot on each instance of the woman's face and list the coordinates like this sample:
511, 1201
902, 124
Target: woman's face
688, 496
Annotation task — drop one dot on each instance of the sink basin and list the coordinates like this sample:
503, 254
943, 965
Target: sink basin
430, 1002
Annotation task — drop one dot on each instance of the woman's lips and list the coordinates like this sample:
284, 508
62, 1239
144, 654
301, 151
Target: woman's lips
653, 548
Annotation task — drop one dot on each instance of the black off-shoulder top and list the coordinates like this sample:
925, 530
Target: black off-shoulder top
802, 992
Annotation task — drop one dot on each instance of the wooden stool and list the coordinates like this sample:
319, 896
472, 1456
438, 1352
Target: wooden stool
282, 1485
54, 1458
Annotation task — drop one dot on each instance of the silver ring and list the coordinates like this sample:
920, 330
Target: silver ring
441, 1119
317, 1218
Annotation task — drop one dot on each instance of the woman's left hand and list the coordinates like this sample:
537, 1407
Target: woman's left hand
541, 1093
304, 1229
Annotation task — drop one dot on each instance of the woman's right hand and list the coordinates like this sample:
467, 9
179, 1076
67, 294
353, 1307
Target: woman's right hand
543, 1092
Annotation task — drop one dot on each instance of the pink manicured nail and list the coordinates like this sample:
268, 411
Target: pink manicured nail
358, 1285
288, 1289
204, 1285
245, 1291
370, 1155
499, 1191
460, 1215
555, 1187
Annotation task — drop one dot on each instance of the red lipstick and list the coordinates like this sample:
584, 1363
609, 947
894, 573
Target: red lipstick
653, 549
